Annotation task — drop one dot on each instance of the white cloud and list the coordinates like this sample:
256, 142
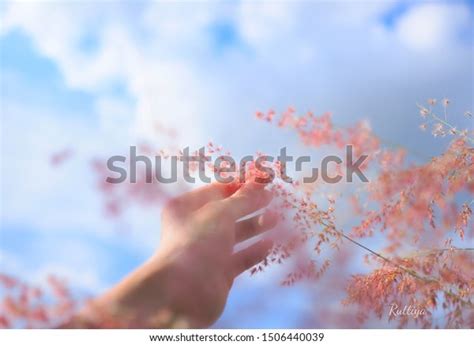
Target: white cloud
163, 54
430, 26
164, 89
304, 54
33, 191
266, 21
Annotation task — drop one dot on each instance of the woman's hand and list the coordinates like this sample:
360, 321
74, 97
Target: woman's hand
187, 281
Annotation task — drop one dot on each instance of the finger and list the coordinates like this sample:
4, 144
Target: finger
253, 181
197, 198
250, 256
247, 200
251, 227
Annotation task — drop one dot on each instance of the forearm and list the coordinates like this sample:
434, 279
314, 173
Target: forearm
145, 298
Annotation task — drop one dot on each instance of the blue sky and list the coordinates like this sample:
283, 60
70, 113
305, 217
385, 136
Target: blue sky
97, 76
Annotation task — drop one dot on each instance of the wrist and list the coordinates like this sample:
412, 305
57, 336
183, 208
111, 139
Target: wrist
143, 299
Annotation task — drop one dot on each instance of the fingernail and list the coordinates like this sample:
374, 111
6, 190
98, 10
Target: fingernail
233, 187
255, 183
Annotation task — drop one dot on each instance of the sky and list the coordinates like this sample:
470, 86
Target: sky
98, 77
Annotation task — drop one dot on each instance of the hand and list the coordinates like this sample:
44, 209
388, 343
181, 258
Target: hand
187, 281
